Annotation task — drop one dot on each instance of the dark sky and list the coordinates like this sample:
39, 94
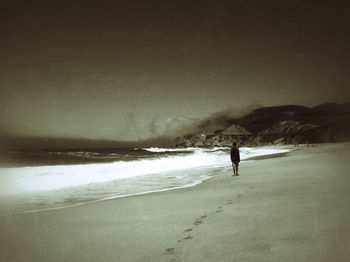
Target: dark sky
130, 70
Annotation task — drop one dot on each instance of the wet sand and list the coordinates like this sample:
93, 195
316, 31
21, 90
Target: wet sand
291, 208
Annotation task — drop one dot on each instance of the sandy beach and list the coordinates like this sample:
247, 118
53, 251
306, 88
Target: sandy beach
289, 208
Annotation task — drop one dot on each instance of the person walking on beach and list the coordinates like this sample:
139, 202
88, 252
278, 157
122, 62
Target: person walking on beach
235, 158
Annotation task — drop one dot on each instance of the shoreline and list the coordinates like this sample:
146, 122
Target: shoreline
208, 169
292, 208
268, 156
104, 199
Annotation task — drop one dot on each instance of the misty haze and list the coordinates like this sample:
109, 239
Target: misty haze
174, 131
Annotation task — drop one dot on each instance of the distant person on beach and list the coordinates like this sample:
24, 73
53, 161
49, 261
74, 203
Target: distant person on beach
235, 158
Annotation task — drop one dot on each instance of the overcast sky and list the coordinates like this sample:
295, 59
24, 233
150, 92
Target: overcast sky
128, 70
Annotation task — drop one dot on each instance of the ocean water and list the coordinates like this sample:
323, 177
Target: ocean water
34, 181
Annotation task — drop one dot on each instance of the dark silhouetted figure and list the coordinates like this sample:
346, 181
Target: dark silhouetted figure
235, 158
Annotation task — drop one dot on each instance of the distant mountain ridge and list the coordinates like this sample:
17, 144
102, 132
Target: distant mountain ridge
289, 124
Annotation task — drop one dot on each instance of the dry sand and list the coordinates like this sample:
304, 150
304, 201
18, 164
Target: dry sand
292, 208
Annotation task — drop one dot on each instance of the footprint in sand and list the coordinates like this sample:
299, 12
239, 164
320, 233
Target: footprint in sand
169, 250
229, 202
199, 220
219, 209
188, 237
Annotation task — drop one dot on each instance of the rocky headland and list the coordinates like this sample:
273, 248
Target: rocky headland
289, 124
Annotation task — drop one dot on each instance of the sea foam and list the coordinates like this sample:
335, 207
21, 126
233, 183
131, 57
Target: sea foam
41, 178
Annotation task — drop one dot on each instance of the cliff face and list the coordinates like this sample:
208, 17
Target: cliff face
277, 125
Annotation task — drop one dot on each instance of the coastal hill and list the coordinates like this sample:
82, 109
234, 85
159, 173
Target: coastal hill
289, 124
251, 126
